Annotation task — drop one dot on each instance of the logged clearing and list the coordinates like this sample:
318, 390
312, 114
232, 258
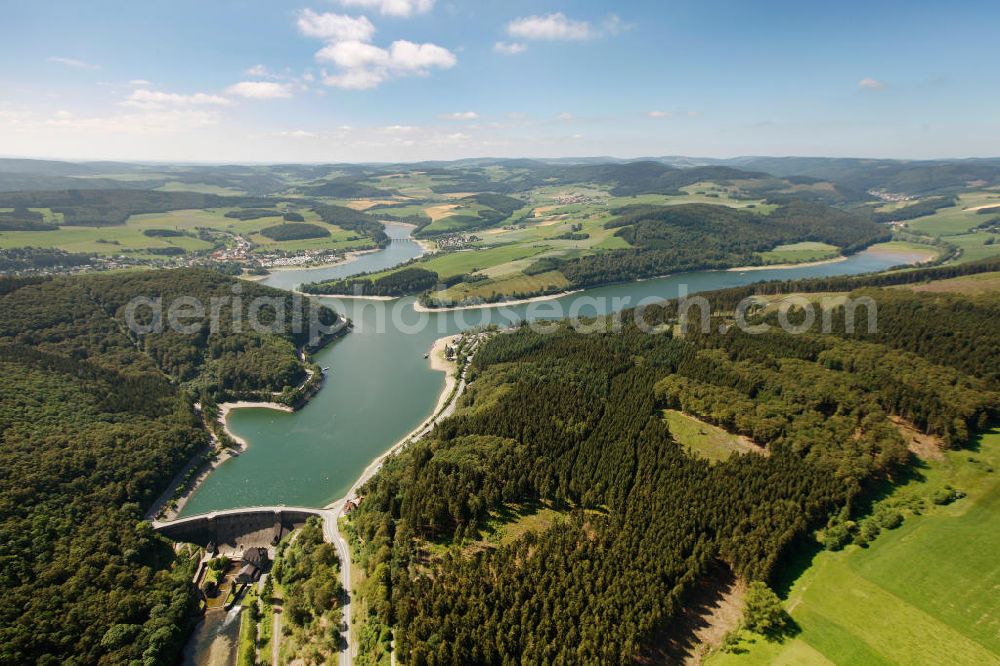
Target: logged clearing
705, 439
924, 446
713, 608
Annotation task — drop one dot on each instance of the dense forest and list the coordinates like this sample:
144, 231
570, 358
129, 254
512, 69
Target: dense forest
668, 239
575, 421
100, 208
398, 283
345, 188
352, 220
16, 259
294, 231
923, 208
94, 422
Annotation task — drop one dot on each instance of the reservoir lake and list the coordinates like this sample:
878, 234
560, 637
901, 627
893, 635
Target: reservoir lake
380, 386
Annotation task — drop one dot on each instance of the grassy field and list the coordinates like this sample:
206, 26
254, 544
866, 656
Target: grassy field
793, 253
973, 285
130, 238
204, 188
702, 438
974, 245
925, 593
96, 240
516, 283
957, 219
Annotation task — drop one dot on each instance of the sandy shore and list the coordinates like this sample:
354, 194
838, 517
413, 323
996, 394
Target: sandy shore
803, 264
346, 297
205, 468
442, 364
227, 407
417, 306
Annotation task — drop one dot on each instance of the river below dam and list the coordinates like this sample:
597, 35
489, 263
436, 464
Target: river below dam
380, 385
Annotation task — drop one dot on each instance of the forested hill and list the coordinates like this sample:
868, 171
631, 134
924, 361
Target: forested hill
576, 421
667, 239
94, 422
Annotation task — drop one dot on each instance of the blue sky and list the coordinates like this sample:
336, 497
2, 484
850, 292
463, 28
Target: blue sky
387, 80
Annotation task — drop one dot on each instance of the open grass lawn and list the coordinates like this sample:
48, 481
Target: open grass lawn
919, 251
130, 237
925, 593
792, 253
468, 261
204, 188
510, 286
701, 438
957, 219
96, 240
981, 283
974, 245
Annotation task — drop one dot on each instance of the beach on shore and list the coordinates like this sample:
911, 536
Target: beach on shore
437, 362
418, 307
804, 264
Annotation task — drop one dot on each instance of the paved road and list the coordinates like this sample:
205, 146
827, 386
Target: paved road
333, 511
330, 515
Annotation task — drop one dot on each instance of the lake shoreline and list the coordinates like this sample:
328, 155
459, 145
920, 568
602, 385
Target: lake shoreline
448, 394
419, 307
207, 460
782, 267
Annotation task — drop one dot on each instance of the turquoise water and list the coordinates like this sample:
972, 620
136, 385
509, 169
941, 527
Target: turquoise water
381, 387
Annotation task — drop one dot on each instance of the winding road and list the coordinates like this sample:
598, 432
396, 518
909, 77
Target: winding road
332, 513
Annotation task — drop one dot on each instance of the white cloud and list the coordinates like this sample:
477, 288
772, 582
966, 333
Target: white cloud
659, 114
868, 83
353, 55
460, 115
139, 82
155, 99
566, 116
510, 48
392, 7
259, 71
336, 27
361, 64
553, 27
297, 134
355, 79
364, 66
73, 62
260, 89
419, 58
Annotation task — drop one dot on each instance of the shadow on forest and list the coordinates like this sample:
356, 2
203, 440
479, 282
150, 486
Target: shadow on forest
679, 639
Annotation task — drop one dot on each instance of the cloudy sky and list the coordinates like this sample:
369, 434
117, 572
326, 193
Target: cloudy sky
388, 80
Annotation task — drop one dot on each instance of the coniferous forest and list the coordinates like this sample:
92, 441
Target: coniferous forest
576, 421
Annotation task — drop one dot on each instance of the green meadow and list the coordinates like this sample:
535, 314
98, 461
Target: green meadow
130, 238
957, 219
927, 592
701, 438
793, 253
